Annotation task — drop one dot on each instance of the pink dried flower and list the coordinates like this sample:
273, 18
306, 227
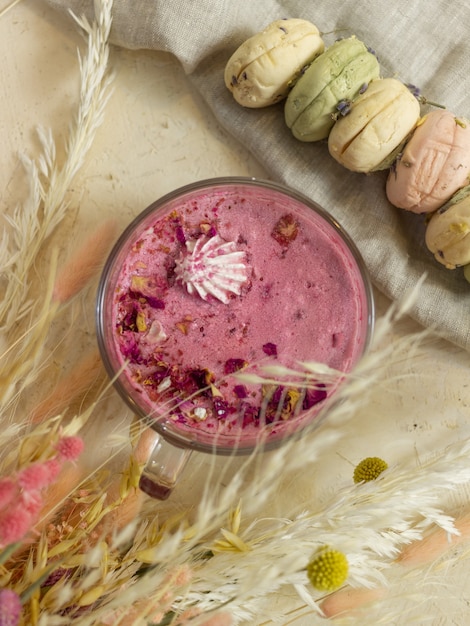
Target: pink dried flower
70, 448
35, 476
14, 524
7, 491
10, 608
53, 467
32, 502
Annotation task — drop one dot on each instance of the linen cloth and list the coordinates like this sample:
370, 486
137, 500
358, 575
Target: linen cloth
423, 44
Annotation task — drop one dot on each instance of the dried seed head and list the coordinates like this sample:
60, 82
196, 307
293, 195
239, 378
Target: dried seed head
369, 469
328, 569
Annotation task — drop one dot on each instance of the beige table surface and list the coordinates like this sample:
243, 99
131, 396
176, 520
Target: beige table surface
156, 136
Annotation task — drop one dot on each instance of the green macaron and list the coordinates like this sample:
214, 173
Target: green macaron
336, 76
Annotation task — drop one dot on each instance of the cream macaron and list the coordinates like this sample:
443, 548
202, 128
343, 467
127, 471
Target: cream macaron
339, 74
448, 231
434, 165
261, 71
376, 125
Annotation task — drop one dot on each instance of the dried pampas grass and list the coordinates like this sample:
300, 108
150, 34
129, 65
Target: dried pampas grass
26, 313
100, 552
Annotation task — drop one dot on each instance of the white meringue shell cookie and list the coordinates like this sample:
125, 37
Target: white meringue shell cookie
378, 122
212, 267
260, 72
434, 165
448, 231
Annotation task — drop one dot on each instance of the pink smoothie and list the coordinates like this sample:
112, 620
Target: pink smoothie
297, 296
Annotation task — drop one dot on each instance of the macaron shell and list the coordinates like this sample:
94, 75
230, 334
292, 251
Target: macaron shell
434, 165
379, 120
448, 234
260, 71
337, 74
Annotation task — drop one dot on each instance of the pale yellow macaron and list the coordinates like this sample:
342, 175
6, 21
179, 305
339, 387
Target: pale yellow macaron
337, 75
448, 231
261, 71
434, 165
378, 122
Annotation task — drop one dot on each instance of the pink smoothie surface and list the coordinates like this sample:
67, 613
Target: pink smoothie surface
303, 300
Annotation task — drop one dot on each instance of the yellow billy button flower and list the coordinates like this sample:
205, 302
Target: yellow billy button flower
328, 569
369, 469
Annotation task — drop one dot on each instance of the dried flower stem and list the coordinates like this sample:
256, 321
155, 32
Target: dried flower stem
8, 7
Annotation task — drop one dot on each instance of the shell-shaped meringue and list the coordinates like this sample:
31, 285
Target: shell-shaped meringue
213, 267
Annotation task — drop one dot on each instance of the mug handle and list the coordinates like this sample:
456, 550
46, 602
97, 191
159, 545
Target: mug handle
163, 468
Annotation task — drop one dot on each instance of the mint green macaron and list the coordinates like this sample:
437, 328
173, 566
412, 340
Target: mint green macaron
336, 76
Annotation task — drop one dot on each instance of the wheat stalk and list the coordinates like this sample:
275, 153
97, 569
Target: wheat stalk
24, 319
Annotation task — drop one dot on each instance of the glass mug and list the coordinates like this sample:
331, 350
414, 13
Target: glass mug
204, 289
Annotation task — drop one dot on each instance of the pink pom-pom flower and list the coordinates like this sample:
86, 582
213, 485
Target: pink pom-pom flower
15, 522
8, 490
32, 502
10, 608
70, 448
35, 476
53, 467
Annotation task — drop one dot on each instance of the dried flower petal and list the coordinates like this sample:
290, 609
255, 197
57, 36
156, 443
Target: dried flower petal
416, 91
220, 408
270, 349
234, 365
240, 391
314, 395
285, 230
156, 333
344, 107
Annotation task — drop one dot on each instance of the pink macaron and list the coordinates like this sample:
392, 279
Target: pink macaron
434, 164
